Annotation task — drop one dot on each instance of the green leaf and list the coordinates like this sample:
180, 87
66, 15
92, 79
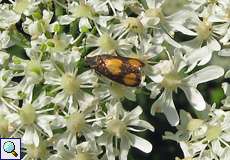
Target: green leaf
17, 51
18, 38
217, 95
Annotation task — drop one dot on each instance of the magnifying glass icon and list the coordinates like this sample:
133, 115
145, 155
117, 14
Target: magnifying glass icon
9, 147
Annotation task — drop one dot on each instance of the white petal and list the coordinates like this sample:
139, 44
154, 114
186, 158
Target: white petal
85, 100
3, 57
30, 136
142, 124
192, 44
227, 74
43, 121
216, 147
151, 3
60, 99
84, 22
184, 30
52, 78
66, 19
226, 88
88, 77
27, 137
124, 149
202, 56
134, 114
225, 137
185, 148
141, 143
156, 78
41, 101
35, 138
204, 75
13, 118
226, 154
213, 44
224, 52
154, 88
171, 41
47, 16
109, 150
118, 4
194, 97
165, 104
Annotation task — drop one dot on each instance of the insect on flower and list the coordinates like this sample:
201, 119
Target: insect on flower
123, 70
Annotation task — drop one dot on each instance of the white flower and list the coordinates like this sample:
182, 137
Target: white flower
79, 123
4, 40
59, 43
118, 125
226, 101
38, 27
36, 152
6, 128
82, 11
205, 31
205, 138
67, 83
168, 75
83, 151
225, 52
128, 27
155, 15
4, 58
32, 118
8, 88
26, 7
8, 17
103, 5
32, 70
107, 43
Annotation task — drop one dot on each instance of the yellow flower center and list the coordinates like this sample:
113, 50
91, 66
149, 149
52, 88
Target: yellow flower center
36, 152
58, 44
83, 10
212, 1
116, 127
154, 12
204, 30
27, 114
227, 13
171, 81
117, 91
194, 124
213, 132
34, 69
84, 156
76, 122
21, 5
134, 24
107, 43
4, 123
70, 83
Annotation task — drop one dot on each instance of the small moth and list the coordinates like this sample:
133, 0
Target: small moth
123, 70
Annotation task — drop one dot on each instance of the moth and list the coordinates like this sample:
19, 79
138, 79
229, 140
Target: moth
124, 70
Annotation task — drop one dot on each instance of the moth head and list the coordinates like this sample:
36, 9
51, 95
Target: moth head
91, 61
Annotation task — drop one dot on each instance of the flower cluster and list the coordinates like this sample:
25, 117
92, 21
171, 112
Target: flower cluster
62, 109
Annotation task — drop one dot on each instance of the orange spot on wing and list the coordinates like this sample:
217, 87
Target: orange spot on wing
135, 63
130, 79
113, 65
